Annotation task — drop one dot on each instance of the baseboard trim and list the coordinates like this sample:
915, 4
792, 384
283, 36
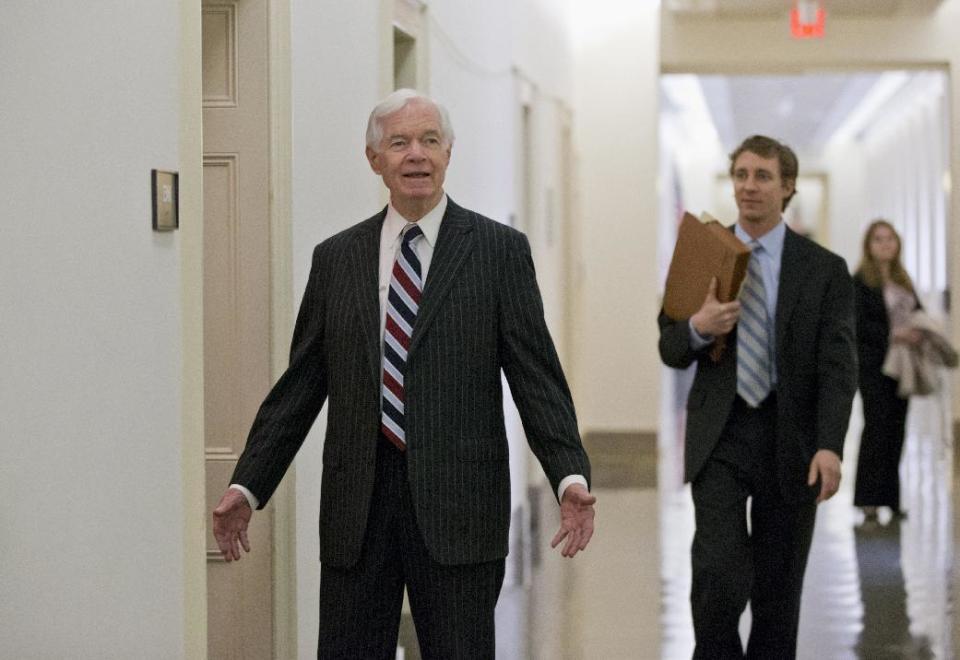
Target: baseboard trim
622, 459
956, 453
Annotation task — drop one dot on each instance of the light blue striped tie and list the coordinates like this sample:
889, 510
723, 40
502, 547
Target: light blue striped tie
753, 336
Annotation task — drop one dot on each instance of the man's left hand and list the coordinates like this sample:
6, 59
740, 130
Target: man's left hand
825, 466
576, 520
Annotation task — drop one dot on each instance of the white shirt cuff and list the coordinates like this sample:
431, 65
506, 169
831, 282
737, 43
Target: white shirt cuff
698, 341
251, 498
567, 481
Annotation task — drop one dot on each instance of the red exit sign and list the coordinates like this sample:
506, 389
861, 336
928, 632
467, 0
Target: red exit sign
807, 21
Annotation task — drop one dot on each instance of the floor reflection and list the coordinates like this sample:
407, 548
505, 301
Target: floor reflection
874, 592
885, 632
871, 592
927, 535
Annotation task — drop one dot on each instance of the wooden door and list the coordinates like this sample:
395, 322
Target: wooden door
236, 300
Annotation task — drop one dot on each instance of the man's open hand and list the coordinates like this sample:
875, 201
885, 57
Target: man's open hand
230, 521
576, 520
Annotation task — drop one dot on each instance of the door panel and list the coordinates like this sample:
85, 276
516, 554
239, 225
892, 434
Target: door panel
236, 305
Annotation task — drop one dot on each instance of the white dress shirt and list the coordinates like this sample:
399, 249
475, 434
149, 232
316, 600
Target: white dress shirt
390, 237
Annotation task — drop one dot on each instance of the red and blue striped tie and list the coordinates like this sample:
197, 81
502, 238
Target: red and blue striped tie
403, 302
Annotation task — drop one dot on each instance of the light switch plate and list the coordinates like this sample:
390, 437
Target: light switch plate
163, 185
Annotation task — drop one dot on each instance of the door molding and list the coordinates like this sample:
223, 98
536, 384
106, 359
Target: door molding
195, 516
281, 315
190, 196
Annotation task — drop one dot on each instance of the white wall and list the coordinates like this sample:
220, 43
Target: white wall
690, 158
90, 314
845, 165
866, 161
469, 72
335, 69
542, 47
895, 169
616, 78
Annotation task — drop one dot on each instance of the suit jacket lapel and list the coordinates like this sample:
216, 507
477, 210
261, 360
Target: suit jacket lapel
793, 266
454, 243
365, 259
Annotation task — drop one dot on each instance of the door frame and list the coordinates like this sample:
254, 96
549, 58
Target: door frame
195, 516
282, 314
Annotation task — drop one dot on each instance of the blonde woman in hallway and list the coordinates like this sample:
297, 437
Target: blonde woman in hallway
885, 299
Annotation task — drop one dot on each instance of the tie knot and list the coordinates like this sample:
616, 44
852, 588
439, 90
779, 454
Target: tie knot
411, 233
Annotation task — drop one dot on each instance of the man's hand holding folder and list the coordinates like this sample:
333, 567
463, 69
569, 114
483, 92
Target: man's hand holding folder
715, 318
708, 266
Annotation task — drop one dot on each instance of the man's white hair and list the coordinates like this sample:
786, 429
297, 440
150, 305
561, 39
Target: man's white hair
397, 101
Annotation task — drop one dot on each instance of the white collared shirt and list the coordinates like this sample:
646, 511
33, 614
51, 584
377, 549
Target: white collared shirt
390, 233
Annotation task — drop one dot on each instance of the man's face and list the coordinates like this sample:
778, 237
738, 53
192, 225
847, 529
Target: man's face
758, 188
412, 158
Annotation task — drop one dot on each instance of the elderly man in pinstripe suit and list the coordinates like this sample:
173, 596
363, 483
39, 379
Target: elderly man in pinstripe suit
415, 490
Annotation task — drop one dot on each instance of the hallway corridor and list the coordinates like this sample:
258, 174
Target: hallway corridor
872, 592
170, 168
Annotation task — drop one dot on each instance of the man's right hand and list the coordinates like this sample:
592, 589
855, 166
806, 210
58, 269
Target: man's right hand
230, 521
715, 318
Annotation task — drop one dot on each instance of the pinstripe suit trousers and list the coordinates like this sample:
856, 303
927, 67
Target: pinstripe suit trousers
453, 606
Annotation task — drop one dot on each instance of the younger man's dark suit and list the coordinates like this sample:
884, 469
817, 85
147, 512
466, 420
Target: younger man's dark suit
732, 451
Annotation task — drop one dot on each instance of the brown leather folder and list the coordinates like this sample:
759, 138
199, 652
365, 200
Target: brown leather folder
704, 250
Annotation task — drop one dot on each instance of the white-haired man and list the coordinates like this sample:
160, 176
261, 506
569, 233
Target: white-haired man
415, 490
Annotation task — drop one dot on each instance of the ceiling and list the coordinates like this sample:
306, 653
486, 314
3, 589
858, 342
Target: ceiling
775, 8
806, 111
801, 110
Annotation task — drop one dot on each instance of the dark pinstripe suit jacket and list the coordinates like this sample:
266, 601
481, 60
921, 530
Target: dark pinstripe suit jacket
480, 312
816, 367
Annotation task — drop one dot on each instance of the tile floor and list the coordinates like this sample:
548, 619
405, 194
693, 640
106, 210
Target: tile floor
871, 592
